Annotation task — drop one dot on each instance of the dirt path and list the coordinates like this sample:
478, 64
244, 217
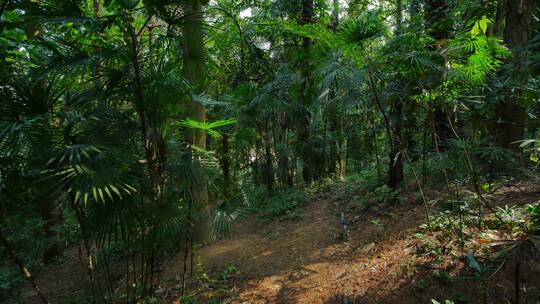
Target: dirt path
304, 261
280, 261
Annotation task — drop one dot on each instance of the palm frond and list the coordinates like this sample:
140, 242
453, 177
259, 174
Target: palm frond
358, 31
207, 127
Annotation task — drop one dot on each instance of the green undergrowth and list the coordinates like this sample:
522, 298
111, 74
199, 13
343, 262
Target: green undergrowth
464, 232
280, 205
212, 288
362, 191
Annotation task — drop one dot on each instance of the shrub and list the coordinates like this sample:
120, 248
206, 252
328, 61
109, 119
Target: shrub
281, 205
380, 195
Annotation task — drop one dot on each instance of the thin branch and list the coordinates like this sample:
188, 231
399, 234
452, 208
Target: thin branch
481, 199
22, 267
389, 126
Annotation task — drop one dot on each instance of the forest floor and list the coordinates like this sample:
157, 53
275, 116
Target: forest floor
307, 261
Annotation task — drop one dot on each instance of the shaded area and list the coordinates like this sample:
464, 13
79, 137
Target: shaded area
306, 262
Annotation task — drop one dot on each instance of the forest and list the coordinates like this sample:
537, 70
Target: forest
269, 151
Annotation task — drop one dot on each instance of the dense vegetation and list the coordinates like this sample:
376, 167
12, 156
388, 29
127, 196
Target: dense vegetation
139, 130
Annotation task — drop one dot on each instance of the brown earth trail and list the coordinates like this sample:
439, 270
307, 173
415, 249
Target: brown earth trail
305, 261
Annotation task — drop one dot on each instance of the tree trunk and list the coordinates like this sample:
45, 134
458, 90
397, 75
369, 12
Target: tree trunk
395, 165
305, 98
378, 162
52, 216
340, 167
409, 126
285, 175
47, 203
395, 169
336, 158
193, 60
284, 170
498, 18
268, 168
510, 112
438, 26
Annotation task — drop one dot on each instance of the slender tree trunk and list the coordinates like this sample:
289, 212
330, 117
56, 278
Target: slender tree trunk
378, 162
307, 18
52, 216
193, 60
284, 172
336, 158
510, 112
96, 6
424, 148
438, 26
187, 246
395, 166
305, 98
282, 155
27, 275
255, 168
495, 30
268, 168
152, 141
344, 153
395, 170
410, 121
86, 238
340, 168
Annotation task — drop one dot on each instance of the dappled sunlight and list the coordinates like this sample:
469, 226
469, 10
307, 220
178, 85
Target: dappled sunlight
269, 151
309, 263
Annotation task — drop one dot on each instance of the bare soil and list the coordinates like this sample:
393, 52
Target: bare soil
307, 261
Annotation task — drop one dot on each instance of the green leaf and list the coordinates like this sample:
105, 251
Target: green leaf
480, 26
473, 262
526, 142
207, 127
94, 192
